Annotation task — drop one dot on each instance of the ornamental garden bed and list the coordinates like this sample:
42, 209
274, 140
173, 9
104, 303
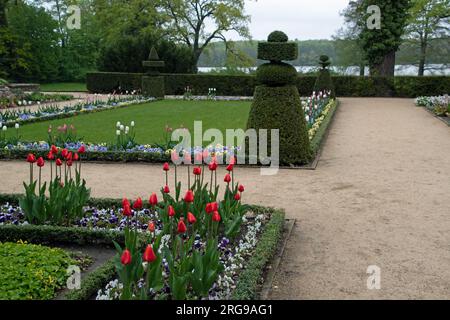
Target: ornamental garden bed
190, 245
129, 147
439, 106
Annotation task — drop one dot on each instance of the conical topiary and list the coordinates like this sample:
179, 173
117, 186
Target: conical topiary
276, 103
324, 82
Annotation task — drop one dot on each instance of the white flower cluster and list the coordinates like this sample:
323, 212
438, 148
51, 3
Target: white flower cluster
315, 127
112, 291
226, 281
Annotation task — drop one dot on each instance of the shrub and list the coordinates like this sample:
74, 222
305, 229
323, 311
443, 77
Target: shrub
277, 36
277, 104
280, 108
31, 272
244, 85
276, 74
107, 82
153, 86
324, 81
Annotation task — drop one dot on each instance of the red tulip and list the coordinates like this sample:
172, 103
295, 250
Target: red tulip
212, 165
127, 211
166, 167
58, 162
125, 202
31, 158
197, 171
69, 156
230, 167
50, 156
151, 226
211, 207
241, 188
138, 205
166, 189
69, 162
153, 199
181, 226
76, 157
227, 178
126, 257
64, 153
40, 162
149, 254
189, 197
216, 216
171, 211
191, 218
81, 149
54, 150
237, 196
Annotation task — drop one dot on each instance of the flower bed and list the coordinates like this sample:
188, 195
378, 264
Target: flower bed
438, 105
31, 272
10, 118
194, 246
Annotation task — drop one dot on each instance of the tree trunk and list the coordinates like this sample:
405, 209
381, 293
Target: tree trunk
423, 56
386, 68
362, 70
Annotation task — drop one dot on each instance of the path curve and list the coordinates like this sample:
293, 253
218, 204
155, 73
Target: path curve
380, 196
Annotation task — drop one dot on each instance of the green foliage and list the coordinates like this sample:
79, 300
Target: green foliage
108, 82
153, 86
324, 82
64, 203
62, 135
276, 74
280, 108
277, 51
31, 272
277, 36
318, 139
379, 43
249, 280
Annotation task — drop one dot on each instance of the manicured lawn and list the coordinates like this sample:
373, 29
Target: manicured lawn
150, 120
63, 87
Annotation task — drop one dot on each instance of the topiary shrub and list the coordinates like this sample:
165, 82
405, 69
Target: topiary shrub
324, 81
276, 103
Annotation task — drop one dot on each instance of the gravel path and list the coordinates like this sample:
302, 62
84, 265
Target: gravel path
380, 196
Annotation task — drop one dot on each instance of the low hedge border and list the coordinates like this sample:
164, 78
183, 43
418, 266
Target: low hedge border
247, 285
319, 137
250, 279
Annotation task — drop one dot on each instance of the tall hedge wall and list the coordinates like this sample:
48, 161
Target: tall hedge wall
346, 86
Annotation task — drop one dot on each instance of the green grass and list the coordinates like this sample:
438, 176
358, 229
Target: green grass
150, 120
63, 87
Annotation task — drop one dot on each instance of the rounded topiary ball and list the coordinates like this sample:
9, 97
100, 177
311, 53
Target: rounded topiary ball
324, 61
276, 74
277, 36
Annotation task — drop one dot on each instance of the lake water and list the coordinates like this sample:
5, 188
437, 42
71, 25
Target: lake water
400, 70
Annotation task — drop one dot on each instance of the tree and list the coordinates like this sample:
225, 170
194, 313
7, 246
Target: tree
379, 44
428, 19
190, 19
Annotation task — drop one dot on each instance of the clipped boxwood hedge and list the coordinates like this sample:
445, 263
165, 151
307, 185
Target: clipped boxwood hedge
277, 51
244, 85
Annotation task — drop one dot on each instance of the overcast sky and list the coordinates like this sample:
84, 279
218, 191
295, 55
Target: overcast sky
300, 19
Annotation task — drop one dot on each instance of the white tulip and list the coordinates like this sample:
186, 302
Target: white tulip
19, 103
5, 128
17, 126
118, 132
127, 129
307, 118
122, 127
118, 124
132, 123
39, 103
